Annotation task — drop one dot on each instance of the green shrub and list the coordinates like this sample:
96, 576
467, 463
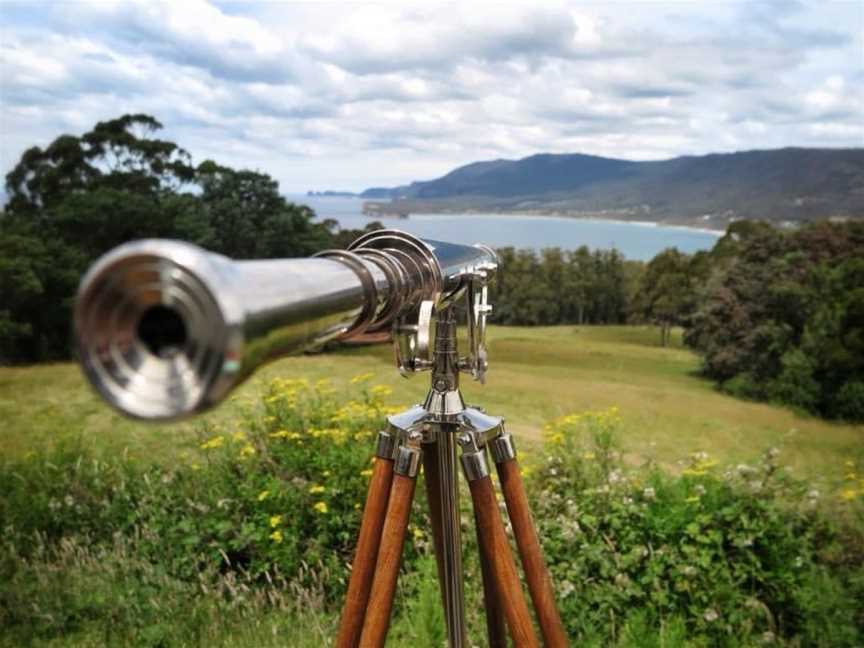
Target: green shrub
247, 540
734, 555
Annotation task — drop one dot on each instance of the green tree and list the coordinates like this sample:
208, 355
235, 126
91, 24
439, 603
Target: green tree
666, 294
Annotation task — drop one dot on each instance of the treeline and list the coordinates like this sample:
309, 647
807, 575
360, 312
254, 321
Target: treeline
777, 315
82, 195
564, 287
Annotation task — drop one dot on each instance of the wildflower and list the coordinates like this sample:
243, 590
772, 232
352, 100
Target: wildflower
276, 536
710, 615
380, 391
849, 494
362, 378
356, 506
195, 466
588, 455
321, 507
366, 473
317, 488
247, 450
700, 489
275, 520
239, 436
263, 495
768, 637
649, 494
418, 533
326, 473
215, 442
279, 434
813, 494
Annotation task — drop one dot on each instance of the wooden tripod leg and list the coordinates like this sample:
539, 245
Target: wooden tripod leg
536, 574
389, 557
495, 629
491, 534
363, 567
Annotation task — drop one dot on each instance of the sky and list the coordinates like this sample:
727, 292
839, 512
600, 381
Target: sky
325, 95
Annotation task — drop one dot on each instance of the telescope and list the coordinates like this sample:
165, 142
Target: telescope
165, 330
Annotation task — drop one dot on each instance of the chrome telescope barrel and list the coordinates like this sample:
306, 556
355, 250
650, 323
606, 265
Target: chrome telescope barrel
165, 329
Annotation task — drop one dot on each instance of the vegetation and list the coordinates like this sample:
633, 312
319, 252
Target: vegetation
81, 196
243, 537
560, 287
779, 316
537, 374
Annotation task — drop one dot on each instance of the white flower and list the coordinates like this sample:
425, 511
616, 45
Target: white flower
700, 490
813, 494
649, 494
768, 637
710, 615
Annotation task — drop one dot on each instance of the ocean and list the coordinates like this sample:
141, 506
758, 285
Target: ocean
639, 241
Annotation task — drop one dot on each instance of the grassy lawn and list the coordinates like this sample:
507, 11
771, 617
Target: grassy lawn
536, 374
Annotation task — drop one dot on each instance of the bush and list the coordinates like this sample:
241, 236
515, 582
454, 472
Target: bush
733, 555
247, 540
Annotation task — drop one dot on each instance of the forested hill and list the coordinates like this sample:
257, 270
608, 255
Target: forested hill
785, 184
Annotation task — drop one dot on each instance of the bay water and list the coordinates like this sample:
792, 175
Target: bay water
640, 241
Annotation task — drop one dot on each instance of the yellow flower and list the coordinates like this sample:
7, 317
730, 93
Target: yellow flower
851, 476
366, 473
247, 451
326, 473
276, 536
849, 494
588, 455
195, 466
239, 436
321, 507
356, 506
380, 391
275, 520
418, 533
215, 442
279, 434
362, 378
317, 488
263, 495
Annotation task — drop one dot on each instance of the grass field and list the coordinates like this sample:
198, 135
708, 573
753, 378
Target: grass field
536, 374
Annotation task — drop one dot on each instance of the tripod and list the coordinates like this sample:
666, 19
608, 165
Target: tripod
429, 434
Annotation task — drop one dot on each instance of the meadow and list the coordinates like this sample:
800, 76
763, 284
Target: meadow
536, 374
671, 514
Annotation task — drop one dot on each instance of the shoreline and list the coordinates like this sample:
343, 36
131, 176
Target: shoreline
596, 219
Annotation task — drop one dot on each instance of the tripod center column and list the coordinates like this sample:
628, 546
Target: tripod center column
444, 403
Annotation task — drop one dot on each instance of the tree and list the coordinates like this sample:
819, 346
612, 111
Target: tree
118, 154
665, 291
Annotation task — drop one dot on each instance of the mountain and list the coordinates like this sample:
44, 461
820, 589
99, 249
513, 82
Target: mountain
790, 184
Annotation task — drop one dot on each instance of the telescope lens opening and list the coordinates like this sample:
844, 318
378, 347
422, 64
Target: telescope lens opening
163, 331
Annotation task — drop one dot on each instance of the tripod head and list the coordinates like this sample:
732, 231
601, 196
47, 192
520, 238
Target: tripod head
165, 329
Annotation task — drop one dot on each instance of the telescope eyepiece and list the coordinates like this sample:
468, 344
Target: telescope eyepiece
162, 330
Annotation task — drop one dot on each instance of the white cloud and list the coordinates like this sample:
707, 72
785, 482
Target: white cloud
348, 96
